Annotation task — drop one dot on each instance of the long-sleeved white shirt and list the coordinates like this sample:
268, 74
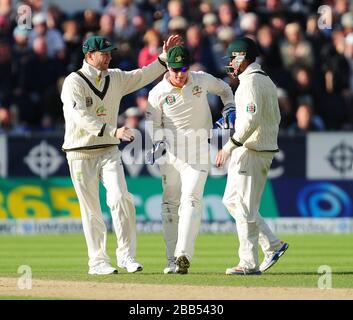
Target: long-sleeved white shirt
184, 112
91, 112
258, 116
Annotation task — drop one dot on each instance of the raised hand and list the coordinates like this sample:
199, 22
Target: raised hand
172, 41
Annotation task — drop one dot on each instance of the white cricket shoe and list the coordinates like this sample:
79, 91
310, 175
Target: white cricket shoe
103, 268
171, 266
131, 265
242, 271
271, 259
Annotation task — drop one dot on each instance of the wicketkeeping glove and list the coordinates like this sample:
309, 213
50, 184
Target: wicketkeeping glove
158, 150
228, 118
228, 114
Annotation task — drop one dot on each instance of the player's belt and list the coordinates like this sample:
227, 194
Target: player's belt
274, 151
98, 146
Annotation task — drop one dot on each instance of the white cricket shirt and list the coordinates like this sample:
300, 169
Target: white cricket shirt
258, 116
91, 111
182, 112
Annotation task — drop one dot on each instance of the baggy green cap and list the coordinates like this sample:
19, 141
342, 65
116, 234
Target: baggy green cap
178, 57
243, 45
97, 43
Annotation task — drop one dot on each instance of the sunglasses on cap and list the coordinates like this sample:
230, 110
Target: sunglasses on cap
182, 69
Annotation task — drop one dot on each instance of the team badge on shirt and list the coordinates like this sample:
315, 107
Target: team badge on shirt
251, 108
89, 101
170, 99
196, 91
101, 111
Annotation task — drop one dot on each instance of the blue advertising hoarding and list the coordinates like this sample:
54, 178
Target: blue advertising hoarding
313, 198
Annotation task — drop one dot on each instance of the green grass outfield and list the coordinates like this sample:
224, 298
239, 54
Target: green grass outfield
64, 257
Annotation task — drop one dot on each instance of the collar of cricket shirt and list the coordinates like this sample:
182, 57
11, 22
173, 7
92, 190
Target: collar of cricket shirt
251, 68
93, 72
171, 87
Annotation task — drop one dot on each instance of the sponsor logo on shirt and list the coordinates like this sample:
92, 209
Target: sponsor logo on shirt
251, 108
196, 91
170, 99
89, 101
101, 111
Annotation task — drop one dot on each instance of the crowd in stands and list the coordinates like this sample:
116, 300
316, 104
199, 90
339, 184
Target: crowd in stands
307, 52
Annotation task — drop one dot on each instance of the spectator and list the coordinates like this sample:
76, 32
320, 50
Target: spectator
334, 65
36, 93
55, 17
199, 50
5, 7
249, 23
347, 23
36, 6
90, 23
295, 50
306, 120
52, 36
5, 119
286, 109
5, 27
151, 50
175, 9
106, 24
278, 24
118, 8
20, 57
304, 87
142, 100
225, 37
340, 7
124, 27
132, 117
206, 6
6, 73
226, 17
177, 25
210, 26
73, 42
348, 53
269, 51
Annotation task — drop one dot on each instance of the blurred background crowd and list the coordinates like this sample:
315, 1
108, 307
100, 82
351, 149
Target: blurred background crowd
308, 54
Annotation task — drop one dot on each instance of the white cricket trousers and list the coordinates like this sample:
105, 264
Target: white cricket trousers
183, 187
85, 175
247, 173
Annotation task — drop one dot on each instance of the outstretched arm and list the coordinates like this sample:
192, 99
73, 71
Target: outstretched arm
131, 81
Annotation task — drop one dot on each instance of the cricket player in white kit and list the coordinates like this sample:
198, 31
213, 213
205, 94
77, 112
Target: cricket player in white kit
91, 98
251, 149
181, 116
